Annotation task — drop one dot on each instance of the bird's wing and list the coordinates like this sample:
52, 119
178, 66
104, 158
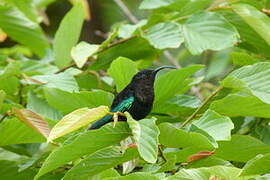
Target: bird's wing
124, 105
121, 107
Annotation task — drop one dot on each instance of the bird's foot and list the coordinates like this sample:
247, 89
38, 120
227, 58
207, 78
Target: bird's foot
115, 117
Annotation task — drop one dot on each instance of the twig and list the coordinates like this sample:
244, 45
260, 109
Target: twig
193, 115
3, 117
171, 59
126, 11
161, 153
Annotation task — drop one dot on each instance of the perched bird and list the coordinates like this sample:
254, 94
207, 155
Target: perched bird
137, 98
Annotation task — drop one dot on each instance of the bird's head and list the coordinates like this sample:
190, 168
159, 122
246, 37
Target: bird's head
147, 76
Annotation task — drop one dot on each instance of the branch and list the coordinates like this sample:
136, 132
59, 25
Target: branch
190, 118
126, 11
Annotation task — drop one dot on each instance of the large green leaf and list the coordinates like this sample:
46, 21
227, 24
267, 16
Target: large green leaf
152, 4
241, 104
63, 81
165, 35
145, 133
77, 119
86, 143
253, 78
82, 51
246, 147
220, 172
258, 165
122, 70
67, 102
13, 131
67, 35
172, 82
136, 176
99, 161
171, 136
208, 30
23, 30
143, 51
217, 126
259, 21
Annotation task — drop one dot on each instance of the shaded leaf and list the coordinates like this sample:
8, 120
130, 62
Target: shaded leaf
67, 35
82, 51
86, 143
145, 134
61, 100
77, 119
32, 120
260, 164
23, 30
122, 70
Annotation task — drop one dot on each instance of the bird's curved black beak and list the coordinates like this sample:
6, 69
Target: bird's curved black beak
163, 67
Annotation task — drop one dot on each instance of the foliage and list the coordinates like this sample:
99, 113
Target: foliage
210, 118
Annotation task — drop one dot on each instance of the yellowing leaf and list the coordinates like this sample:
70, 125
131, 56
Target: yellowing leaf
33, 120
77, 119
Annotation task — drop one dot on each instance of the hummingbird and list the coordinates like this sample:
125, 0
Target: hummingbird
136, 98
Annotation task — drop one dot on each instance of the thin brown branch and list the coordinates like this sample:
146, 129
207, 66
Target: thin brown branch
171, 59
194, 114
126, 11
3, 117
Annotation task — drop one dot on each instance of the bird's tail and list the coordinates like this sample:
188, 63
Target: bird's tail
101, 122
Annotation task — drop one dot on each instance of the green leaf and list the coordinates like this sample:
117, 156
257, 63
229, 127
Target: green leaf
13, 131
109, 173
82, 51
252, 78
145, 133
137, 176
217, 126
181, 105
165, 35
208, 30
241, 104
10, 85
143, 51
228, 173
86, 143
242, 59
258, 165
23, 30
259, 21
153, 4
122, 70
173, 137
67, 102
246, 147
99, 161
127, 30
172, 82
63, 81
77, 119
41, 107
67, 35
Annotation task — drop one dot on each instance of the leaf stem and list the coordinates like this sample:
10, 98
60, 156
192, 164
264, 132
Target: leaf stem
193, 115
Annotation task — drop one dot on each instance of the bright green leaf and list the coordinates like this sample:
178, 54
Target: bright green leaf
82, 51
122, 70
99, 161
86, 143
259, 21
67, 35
165, 35
153, 4
77, 119
145, 134
208, 31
